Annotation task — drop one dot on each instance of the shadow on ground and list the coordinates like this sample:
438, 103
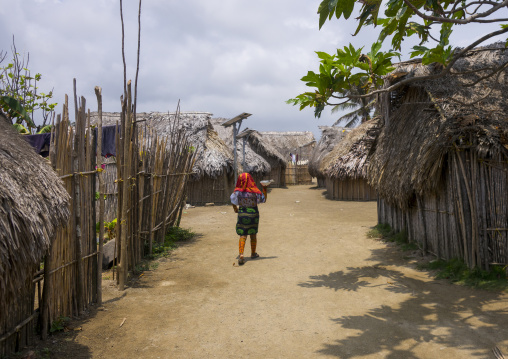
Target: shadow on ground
63, 344
436, 312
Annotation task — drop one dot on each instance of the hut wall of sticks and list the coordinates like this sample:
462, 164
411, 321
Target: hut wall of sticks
441, 163
34, 204
330, 137
297, 143
345, 167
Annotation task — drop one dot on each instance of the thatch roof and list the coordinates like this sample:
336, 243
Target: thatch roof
290, 142
330, 136
349, 157
33, 203
266, 149
427, 122
214, 156
254, 163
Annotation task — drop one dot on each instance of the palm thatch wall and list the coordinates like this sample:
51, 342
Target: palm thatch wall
345, 167
34, 203
440, 163
330, 136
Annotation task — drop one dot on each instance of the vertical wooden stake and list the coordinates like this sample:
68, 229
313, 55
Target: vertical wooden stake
98, 93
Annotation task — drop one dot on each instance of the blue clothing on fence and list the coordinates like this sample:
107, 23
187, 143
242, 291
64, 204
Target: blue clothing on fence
41, 142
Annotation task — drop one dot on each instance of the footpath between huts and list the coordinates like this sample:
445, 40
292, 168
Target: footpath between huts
320, 289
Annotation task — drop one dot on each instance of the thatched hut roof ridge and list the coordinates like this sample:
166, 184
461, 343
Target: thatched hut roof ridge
330, 136
254, 163
214, 157
289, 140
349, 157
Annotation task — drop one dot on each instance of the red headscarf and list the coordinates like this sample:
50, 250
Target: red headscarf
245, 183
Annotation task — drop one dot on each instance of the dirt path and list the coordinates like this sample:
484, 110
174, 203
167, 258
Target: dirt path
320, 289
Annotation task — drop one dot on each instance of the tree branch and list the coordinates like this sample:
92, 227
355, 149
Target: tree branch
453, 10
472, 18
137, 63
444, 72
496, 71
123, 52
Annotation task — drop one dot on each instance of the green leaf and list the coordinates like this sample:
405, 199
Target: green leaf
21, 129
323, 55
392, 7
375, 47
15, 110
45, 129
348, 7
331, 5
323, 12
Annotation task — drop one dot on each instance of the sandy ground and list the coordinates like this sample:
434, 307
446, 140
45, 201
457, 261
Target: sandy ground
321, 289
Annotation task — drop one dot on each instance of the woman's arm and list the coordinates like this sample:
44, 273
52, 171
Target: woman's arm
234, 201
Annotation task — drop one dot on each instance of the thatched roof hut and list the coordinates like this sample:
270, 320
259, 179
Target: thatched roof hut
440, 163
212, 178
255, 164
330, 136
34, 203
212, 181
299, 142
214, 157
345, 167
278, 163
349, 157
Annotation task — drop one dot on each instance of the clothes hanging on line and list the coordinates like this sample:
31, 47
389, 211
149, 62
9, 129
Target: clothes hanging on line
41, 142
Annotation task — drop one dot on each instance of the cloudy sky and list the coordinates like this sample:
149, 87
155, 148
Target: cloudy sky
225, 57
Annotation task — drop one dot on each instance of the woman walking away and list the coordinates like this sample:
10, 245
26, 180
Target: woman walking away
245, 201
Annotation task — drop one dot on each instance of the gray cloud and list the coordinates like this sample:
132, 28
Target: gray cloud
224, 57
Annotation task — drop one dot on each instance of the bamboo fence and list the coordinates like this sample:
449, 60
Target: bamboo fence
297, 174
466, 218
151, 179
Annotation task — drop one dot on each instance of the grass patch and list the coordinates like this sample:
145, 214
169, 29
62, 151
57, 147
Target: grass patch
171, 239
456, 271
384, 232
162, 250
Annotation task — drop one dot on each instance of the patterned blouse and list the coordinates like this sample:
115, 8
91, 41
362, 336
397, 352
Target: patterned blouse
247, 199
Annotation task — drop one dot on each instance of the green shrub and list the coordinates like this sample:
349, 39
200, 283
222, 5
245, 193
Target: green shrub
456, 271
173, 235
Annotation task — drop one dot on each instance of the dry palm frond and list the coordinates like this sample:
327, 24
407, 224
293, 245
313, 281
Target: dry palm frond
429, 120
33, 203
330, 136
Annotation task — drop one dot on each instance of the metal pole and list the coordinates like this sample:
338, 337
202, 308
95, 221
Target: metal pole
243, 152
234, 152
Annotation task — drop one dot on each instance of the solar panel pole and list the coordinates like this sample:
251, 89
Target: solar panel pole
235, 133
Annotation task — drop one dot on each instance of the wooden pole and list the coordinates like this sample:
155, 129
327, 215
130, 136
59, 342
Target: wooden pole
125, 177
98, 93
76, 183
